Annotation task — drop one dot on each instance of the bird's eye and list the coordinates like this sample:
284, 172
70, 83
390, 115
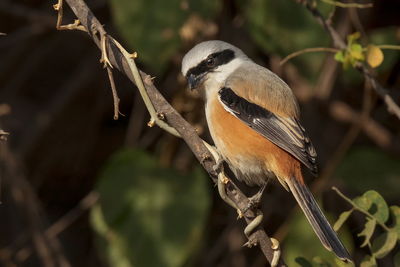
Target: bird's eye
210, 62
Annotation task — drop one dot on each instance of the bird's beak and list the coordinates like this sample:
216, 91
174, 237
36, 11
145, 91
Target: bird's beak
194, 81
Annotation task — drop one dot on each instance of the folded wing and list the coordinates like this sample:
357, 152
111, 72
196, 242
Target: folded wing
285, 132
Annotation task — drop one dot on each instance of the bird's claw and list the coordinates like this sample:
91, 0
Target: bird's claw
254, 201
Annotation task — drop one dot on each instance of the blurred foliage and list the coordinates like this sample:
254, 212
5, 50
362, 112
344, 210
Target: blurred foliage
365, 168
377, 213
151, 27
149, 215
355, 52
281, 27
378, 36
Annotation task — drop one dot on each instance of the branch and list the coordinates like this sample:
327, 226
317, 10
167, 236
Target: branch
339, 43
165, 116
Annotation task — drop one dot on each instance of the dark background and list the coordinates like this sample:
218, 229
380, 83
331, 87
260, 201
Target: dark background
66, 158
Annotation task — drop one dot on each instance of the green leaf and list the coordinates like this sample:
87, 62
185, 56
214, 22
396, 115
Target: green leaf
368, 261
384, 243
151, 27
339, 56
373, 203
149, 215
342, 218
303, 262
395, 211
356, 52
368, 231
352, 37
383, 176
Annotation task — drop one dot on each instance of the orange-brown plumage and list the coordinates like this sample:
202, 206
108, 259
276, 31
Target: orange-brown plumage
238, 141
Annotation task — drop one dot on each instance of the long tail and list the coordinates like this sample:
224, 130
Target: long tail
317, 219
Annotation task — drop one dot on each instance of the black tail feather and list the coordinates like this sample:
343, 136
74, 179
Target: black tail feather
317, 219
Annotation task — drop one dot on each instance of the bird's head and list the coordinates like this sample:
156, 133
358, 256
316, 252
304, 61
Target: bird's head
211, 60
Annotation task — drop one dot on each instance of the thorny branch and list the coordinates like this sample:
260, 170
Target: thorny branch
165, 116
339, 43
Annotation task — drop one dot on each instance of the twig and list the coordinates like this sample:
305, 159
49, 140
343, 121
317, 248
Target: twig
74, 26
62, 223
165, 116
49, 250
376, 132
339, 43
308, 50
392, 47
156, 117
348, 5
114, 93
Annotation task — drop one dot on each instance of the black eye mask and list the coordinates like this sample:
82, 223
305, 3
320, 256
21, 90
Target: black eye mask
217, 59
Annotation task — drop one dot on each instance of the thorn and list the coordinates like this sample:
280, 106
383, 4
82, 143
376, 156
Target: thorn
151, 123
275, 243
225, 179
160, 115
56, 7
240, 214
133, 55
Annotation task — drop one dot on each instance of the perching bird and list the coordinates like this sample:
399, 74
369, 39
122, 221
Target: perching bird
253, 118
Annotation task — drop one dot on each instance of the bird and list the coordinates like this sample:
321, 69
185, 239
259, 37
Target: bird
254, 120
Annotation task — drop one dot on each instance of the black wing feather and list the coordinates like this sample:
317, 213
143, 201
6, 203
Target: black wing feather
287, 133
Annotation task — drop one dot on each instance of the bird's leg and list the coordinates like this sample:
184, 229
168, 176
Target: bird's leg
255, 200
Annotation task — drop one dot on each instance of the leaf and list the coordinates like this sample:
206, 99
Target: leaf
356, 52
151, 27
373, 203
374, 56
384, 243
339, 56
395, 211
342, 218
352, 37
303, 262
368, 261
149, 215
368, 231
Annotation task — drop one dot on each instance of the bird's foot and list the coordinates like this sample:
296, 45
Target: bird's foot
255, 200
